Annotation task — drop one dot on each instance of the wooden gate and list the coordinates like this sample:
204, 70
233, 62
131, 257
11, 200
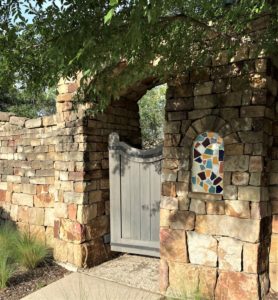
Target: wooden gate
135, 188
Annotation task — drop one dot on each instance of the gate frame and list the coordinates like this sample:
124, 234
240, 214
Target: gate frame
116, 150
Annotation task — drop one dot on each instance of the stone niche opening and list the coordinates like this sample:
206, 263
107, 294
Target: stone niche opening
208, 164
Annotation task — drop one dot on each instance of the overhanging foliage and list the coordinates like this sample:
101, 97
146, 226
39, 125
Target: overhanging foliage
150, 38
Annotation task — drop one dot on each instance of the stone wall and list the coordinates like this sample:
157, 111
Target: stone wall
27, 155
82, 223
273, 191
54, 178
54, 174
218, 245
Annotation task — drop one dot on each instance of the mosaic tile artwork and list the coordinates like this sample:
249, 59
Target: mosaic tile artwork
208, 164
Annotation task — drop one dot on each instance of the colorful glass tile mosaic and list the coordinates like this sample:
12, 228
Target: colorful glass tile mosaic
208, 164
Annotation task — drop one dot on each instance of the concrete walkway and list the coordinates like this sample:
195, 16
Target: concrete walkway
128, 277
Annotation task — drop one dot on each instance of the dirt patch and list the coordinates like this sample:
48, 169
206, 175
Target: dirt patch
25, 282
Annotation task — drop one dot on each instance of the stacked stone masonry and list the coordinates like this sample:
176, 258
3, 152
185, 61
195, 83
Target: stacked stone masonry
54, 178
54, 175
222, 246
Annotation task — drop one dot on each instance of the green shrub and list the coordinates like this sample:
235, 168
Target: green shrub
8, 238
30, 252
6, 270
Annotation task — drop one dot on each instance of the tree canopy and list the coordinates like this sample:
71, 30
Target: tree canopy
148, 37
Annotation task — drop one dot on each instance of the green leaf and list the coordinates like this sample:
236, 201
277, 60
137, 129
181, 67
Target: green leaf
109, 16
114, 2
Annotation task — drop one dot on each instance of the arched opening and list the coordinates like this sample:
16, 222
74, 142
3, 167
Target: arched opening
152, 116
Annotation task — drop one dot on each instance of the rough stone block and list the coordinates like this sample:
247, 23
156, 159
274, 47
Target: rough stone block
203, 88
255, 258
95, 196
22, 199
49, 237
14, 178
237, 285
164, 217
72, 211
4, 117
49, 217
72, 231
249, 193
240, 178
18, 121
256, 164
173, 245
169, 203
256, 179
242, 124
60, 250
33, 123
202, 249
198, 206
275, 224
230, 192
229, 254
239, 209
207, 282
230, 99
36, 216
61, 210
86, 213
182, 220
273, 275
215, 208
252, 111
72, 197
273, 255
169, 189
236, 163
28, 188
23, 214
98, 227
242, 229
234, 149
207, 101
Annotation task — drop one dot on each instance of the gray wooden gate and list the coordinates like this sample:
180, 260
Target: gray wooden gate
135, 188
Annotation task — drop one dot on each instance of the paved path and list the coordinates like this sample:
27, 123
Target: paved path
128, 277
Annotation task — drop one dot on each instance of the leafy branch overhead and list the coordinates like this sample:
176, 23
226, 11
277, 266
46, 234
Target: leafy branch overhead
44, 40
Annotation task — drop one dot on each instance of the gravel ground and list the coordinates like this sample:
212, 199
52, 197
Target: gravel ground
135, 271
25, 282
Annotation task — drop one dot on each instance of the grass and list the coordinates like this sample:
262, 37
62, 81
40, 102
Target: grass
18, 249
29, 251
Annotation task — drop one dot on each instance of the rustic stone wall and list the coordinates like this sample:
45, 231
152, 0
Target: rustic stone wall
273, 190
54, 174
82, 223
54, 178
218, 245
27, 155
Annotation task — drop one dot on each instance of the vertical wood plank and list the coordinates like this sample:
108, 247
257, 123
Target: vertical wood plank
125, 197
135, 203
145, 202
155, 199
115, 195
